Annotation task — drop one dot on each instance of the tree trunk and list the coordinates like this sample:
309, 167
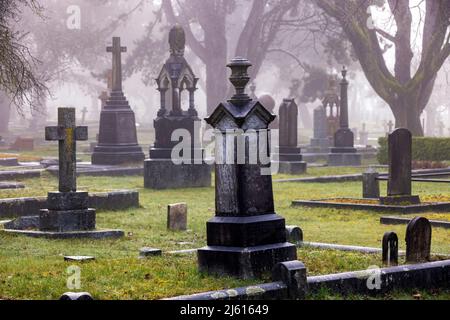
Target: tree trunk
5, 112
407, 113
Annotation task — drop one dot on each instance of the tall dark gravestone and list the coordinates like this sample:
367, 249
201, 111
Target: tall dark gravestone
290, 160
321, 142
400, 169
169, 167
390, 249
246, 238
117, 142
344, 152
418, 240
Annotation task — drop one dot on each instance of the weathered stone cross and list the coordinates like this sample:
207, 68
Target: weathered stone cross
67, 134
116, 51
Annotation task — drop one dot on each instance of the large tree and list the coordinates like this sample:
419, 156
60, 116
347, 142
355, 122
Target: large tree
405, 91
218, 29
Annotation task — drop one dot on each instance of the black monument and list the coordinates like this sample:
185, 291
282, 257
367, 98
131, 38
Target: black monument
169, 167
246, 238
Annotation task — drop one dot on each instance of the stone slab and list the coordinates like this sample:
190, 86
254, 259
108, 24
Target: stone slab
344, 159
426, 276
405, 221
424, 207
149, 252
107, 201
9, 162
164, 174
79, 258
11, 185
96, 234
286, 167
87, 169
19, 174
177, 217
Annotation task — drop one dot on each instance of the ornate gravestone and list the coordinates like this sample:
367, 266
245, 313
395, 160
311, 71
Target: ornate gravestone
332, 105
68, 214
418, 240
321, 142
400, 169
162, 170
117, 143
390, 249
344, 153
246, 238
289, 154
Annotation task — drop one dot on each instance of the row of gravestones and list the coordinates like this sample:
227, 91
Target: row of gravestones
418, 243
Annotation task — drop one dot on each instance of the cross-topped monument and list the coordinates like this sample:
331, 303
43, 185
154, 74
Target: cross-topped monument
83, 115
117, 142
116, 49
67, 134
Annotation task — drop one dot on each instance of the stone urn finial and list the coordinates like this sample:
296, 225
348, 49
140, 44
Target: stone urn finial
239, 78
344, 74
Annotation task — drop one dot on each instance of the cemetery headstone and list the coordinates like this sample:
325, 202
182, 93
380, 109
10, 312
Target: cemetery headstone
68, 213
400, 169
364, 136
371, 184
117, 143
290, 159
321, 142
344, 152
294, 234
418, 240
162, 170
390, 249
177, 217
246, 238
390, 127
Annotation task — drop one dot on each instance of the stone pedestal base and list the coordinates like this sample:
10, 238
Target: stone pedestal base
164, 174
117, 155
67, 220
93, 234
290, 160
400, 200
291, 167
245, 263
344, 159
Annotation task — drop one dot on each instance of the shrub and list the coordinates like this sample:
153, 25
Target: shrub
424, 149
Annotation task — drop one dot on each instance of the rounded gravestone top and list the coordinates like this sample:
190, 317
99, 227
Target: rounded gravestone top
268, 102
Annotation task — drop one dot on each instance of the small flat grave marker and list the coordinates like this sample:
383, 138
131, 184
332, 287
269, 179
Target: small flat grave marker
177, 217
149, 252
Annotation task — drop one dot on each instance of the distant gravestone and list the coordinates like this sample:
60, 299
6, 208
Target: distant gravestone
364, 136
400, 169
294, 234
269, 102
418, 240
289, 153
23, 144
177, 217
321, 139
390, 249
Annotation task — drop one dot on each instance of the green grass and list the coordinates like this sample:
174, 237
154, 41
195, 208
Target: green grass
34, 268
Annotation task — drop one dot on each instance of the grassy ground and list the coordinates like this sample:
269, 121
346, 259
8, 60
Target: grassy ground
34, 268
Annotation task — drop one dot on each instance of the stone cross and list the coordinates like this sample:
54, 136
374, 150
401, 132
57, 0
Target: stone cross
390, 125
116, 51
83, 117
66, 133
418, 240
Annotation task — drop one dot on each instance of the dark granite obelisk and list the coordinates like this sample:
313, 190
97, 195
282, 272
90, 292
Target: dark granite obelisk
344, 152
117, 142
246, 238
